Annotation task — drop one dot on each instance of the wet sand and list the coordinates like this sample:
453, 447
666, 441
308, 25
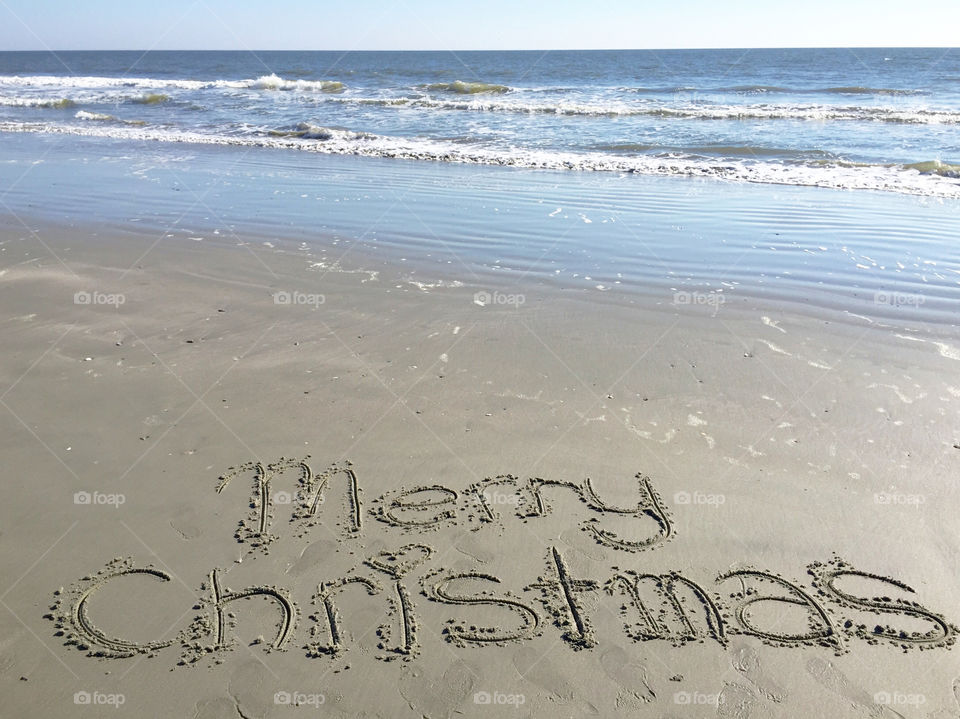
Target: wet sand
240, 478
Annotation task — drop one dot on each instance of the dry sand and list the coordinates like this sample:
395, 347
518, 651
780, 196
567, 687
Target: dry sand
402, 503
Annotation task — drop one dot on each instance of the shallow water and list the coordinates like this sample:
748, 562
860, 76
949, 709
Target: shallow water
863, 118
675, 240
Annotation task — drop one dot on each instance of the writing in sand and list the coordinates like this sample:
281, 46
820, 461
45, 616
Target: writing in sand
467, 606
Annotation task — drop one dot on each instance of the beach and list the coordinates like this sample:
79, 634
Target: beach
770, 435
297, 433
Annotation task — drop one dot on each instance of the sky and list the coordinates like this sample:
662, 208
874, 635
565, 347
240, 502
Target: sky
460, 25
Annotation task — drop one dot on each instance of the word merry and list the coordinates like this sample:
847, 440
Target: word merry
431, 506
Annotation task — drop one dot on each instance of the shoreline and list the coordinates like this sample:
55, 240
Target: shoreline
622, 239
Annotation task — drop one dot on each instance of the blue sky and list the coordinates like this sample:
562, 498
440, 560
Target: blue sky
459, 25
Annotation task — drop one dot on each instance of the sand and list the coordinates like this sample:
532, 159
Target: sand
373, 497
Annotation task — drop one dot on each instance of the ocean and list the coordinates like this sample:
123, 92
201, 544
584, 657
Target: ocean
881, 119
826, 179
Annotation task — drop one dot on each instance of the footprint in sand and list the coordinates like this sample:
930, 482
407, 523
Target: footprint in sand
833, 679
630, 676
439, 696
536, 668
738, 701
581, 544
475, 548
221, 708
746, 661
187, 522
250, 693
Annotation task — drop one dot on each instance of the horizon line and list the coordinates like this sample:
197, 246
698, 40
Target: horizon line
554, 49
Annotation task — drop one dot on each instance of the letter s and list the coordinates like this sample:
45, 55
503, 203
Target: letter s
825, 578
439, 592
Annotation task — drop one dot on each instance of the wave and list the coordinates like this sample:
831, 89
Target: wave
308, 131
86, 98
468, 88
919, 116
837, 175
55, 104
936, 167
100, 117
86, 82
103, 117
274, 82
762, 89
848, 90
869, 91
152, 98
745, 151
266, 82
459, 87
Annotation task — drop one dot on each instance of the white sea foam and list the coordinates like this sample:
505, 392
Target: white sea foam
266, 82
273, 82
344, 142
97, 116
766, 111
87, 82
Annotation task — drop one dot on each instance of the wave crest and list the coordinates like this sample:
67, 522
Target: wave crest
918, 116
60, 104
308, 131
275, 82
103, 117
468, 88
936, 167
152, 98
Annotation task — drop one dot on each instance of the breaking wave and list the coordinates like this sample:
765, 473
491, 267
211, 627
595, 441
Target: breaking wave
931, 179
266, 82
468, 88
766, 111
